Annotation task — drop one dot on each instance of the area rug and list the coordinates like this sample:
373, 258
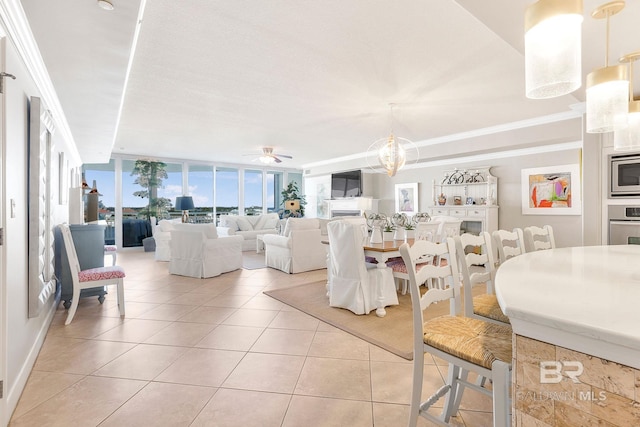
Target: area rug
392, 332
252, 260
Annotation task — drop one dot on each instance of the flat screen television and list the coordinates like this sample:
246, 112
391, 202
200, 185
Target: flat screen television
346, 184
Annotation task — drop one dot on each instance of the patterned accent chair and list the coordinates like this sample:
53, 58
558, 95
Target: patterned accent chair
91, 278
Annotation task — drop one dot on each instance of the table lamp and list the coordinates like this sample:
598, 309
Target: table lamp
184, 203
292, 205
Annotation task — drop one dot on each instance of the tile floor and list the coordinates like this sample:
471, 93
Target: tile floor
217, 352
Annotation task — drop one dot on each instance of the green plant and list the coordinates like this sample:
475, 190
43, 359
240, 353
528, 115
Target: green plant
388, 227
292, 192
150, 175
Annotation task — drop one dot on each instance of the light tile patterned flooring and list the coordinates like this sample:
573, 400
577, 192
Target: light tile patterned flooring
217, 352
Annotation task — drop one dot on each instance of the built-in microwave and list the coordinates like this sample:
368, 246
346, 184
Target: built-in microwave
624, 175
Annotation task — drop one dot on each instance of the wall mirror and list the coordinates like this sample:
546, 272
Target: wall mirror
42, 283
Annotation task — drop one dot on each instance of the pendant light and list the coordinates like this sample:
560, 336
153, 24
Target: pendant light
392, 152
628, 139
607, 87
553, 48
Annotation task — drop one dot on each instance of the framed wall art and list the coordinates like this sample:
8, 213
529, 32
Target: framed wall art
553, 190
407, 198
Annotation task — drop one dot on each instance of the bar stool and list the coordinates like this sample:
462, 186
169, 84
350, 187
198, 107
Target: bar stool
467, 344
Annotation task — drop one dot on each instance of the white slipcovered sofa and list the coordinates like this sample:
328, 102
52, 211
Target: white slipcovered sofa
249, 227
299, 248
197, 251
162, 236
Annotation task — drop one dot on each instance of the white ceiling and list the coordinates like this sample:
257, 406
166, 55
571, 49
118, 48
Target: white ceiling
216, 80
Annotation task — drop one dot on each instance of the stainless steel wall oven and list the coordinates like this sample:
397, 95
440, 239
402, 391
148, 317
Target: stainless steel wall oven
624, 225
624, 175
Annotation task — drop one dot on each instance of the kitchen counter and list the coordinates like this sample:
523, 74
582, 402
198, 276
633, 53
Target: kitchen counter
575, 314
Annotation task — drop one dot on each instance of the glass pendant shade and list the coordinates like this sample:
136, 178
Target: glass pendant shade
628, 139
392, 156
553, 48
607, 99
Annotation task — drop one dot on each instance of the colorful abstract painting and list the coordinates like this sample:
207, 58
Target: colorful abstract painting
551, 190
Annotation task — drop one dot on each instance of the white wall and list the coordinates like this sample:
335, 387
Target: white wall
507, 152
24, 335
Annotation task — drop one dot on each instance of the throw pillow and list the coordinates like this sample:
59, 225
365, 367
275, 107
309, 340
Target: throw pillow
244, 224
229, 221
253, 220
267, 221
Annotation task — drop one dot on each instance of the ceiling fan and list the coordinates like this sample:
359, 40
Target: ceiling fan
268, 156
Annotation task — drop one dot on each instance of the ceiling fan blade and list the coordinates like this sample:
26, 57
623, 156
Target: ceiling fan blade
277, 159
283, 155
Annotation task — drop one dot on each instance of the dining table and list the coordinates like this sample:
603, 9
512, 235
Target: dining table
384, 251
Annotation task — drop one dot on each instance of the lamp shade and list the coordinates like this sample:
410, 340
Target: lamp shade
628, 139
607, 99
184, 203
292, 205
553, 48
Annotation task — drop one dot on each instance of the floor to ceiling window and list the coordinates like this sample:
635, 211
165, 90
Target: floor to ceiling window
226, 191
103, 175
201, 189
172, 187
252, 192
274, 189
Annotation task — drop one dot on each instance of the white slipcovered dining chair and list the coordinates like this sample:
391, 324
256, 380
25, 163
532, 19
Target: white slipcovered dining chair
90, 278
508, 244
475, 257
354, 285
467, 344
539, 238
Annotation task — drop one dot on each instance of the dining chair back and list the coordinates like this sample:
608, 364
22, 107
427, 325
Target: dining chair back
467, 344
476, 260
90, 278
449, 228
508, 244
424, 231
427, 231
539, 238
351, 284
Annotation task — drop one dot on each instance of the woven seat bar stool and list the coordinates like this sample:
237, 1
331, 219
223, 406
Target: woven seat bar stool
475, 257
467, 344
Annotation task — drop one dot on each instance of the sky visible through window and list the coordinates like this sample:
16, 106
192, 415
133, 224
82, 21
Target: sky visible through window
200, 188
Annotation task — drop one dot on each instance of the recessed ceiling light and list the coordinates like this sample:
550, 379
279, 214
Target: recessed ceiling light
105, 4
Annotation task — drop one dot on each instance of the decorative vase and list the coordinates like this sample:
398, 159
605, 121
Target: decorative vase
399, 234
387, 236
376, 234
442, 199
410, 234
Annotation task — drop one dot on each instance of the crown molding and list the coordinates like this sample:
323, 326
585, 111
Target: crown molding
19, 33
536, 121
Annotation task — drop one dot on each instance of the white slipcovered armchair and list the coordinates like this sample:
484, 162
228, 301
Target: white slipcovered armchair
196, 251
298, 249
162, 236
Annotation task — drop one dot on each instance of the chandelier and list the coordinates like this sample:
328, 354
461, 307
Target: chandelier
391, 153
